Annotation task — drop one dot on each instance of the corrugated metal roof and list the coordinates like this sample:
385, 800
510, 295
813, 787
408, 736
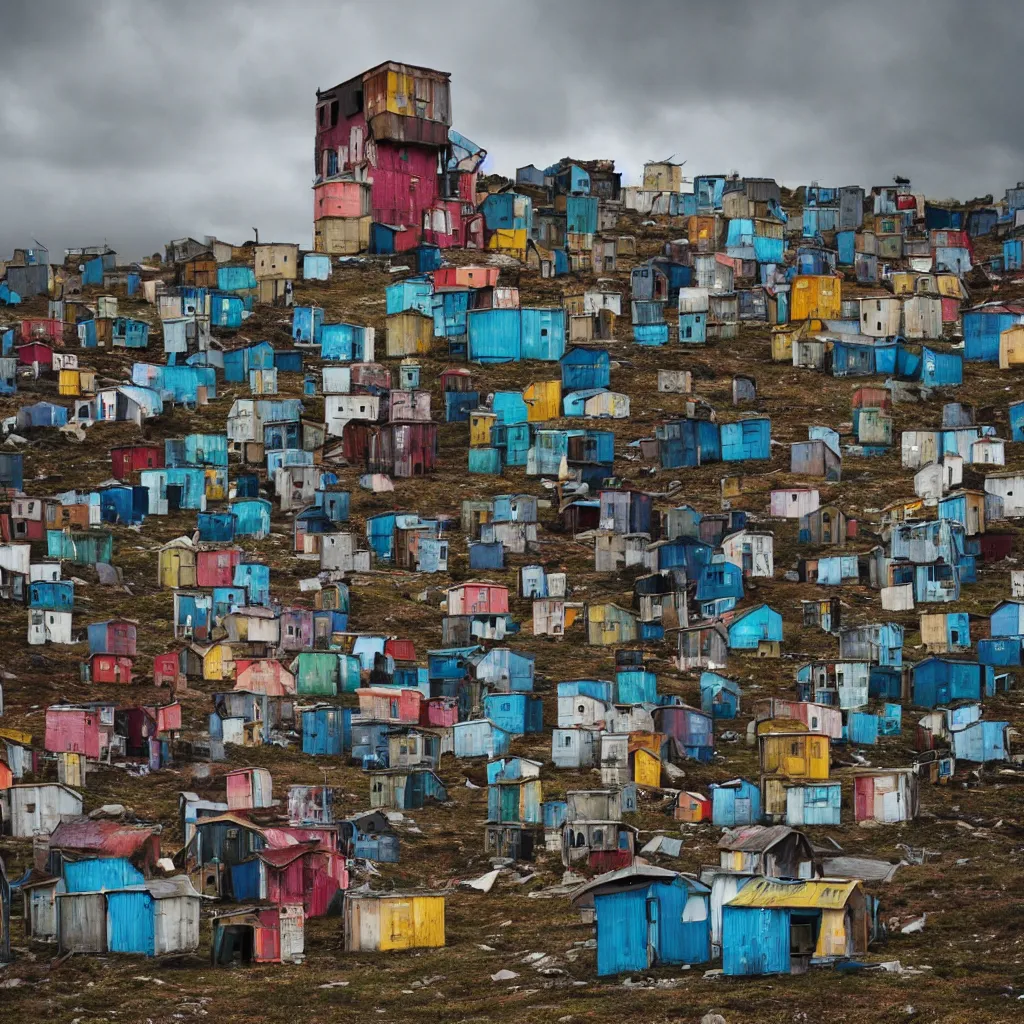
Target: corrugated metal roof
755, 839
824, 893
106, 838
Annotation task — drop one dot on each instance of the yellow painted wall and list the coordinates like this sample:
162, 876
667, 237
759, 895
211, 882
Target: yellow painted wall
68, 384
815, 296
543, 400
508, 240
832, 936
415, 922
480, 429
646, 768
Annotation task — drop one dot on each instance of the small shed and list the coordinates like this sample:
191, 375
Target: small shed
379, 921
776, 927
647, 916
259, 934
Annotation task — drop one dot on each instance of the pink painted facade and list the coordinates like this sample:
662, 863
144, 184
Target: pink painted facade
390, 704
478, 599
296, 629
466, 277
166, 717
35, 352
248, 788
120, 636
439, 712
389, 127
263, 675
340, 198
950, 310
73, 730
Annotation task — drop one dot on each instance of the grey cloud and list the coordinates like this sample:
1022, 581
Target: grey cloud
136, 122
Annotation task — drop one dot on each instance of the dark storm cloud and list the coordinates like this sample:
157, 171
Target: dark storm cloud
137, 122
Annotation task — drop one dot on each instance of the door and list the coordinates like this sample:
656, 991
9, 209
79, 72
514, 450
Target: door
652, 931
397, 926
292, 933
130, 923
742, 810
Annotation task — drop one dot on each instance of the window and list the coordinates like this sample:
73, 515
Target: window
567, 740
334, 113
30, 808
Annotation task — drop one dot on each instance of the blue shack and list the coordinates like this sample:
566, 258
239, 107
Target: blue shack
719, 696
542, 333
306, 324
936, 681
226, 310
688, 442
412, 293
636, 686
494, 335
252, 517
254, 578
886, 681
1000, 651
719, 587
860, 728
585, 368
746, 439
733, 803
981, 741
11, 471
982, 327
52, 595
647, 916
129, 333
346, 343
749, 629
450, 310
1007, 619
216, 527
772, 926
480, 738
515, 713
941, 369
326, 730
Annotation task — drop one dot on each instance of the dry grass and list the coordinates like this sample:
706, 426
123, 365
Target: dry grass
972, 945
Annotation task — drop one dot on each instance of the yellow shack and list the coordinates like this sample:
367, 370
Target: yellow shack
379, 921
543, 400
816, 296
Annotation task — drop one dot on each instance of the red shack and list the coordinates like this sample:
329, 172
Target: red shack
304, 873
114, 636
74, 730
110, 668
35, 353
167, 670
131, 458
35, 330
216, 567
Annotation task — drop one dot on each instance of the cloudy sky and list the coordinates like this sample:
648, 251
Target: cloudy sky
135, 122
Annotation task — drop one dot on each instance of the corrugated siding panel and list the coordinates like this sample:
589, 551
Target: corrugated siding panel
755, 941
621, 932
99, 874
175, 925
130, 922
